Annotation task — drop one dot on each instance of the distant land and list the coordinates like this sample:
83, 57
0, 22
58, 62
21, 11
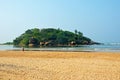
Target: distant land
7, 43
51, 37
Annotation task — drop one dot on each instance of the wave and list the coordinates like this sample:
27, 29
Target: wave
118, 43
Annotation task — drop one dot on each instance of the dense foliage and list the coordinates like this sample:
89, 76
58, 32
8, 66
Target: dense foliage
51, 37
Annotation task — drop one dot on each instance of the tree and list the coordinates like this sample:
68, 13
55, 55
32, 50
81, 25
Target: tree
24, 42
34, 41
76, 31
80, 34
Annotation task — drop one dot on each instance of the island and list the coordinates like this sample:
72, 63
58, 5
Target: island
48, 37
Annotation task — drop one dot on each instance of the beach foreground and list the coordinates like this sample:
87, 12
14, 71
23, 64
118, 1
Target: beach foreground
48, 65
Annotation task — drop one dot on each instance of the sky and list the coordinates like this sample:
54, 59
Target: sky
96, 19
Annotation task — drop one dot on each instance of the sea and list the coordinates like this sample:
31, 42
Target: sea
106, 47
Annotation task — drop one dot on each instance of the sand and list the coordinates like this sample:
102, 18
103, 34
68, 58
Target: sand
47, 65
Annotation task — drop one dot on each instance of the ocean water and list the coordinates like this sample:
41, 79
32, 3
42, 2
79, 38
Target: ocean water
109, 47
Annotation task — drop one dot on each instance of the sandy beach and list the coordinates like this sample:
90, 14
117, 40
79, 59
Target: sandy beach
47, 65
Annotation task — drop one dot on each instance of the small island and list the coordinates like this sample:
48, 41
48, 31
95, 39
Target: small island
51, 37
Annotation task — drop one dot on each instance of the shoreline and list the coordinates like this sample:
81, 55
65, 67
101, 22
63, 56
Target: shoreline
84, 48
67, 51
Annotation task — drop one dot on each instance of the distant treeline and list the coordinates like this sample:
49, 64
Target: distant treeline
51, 37
7, 43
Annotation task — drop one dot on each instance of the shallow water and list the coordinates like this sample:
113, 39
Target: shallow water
104, 48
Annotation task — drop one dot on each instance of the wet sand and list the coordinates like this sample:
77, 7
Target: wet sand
47, 65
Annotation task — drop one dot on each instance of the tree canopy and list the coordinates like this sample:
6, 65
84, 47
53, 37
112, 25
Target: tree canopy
51, 37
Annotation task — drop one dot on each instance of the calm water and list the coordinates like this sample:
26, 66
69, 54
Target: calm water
113, 47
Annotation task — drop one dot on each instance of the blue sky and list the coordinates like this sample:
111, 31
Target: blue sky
97, 19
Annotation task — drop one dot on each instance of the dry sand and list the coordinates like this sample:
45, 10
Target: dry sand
46, 65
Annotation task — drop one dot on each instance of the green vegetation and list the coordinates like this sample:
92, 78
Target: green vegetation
8, 43
51, 37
